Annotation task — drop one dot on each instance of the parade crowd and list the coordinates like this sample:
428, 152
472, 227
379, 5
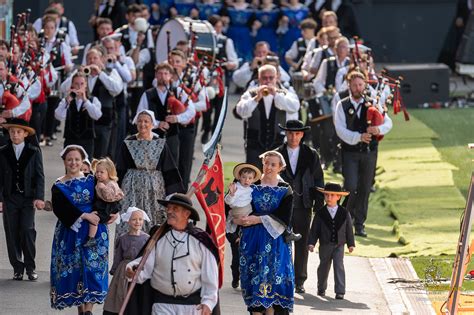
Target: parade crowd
132, 110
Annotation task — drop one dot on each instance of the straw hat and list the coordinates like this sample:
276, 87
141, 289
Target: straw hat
333, 188
241, 166
19, 123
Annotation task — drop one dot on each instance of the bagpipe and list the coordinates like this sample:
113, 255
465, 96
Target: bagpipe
381, 90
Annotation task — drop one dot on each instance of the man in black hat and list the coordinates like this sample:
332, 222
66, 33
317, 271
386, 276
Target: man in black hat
183, 265
21, 191
303, 172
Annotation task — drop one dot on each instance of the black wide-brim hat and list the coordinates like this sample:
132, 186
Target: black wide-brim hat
294, 125
19, 123
183, 201
333, 188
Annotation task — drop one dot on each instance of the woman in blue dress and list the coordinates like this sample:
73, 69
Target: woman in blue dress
239, 15
293, 15
78, 273
266, 268
266, 23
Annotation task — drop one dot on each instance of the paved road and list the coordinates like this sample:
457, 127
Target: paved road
364, 295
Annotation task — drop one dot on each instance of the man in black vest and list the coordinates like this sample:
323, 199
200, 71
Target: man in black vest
263, 108
359, 148
21, 190
324, 85
303, 172
294, 56
105, 84
157, 99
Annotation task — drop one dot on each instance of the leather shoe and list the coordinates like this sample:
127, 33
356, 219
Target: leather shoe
300, 289
235, 283
32, 276
339, 296
361, 233
321, 293
17, 276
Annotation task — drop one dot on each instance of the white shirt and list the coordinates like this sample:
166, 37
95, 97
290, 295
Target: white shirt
353, 137
319, 82
317, 58
293, 155
198, 270
18, 149
241, 198
72, 31
332, 211
24, 105
183, 118
93, 108
288, 102
243, 75
112, 82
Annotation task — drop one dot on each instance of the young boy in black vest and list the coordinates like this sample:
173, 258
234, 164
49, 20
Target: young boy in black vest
21, 191
332, 226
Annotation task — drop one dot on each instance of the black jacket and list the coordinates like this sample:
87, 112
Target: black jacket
321, 228
31, 161
309, 175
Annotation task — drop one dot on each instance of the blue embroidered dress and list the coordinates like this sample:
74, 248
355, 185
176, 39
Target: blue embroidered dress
78, 274
266, 268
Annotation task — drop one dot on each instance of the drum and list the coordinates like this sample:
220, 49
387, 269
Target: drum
323, 109
308, 91
181, 28
298, 83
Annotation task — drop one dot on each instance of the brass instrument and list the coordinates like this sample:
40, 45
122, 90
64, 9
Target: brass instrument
72, 94
266, 91
86, 70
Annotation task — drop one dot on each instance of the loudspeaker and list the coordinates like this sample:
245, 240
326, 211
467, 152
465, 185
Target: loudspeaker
465, 52
422, 83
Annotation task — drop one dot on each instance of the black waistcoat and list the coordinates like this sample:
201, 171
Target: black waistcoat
18, 167
264, 132
355, 123
79, 125
160, 109
107, 103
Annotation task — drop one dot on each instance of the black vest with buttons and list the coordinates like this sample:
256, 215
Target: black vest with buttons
222, 52
18, 171
331, 72
79, 125
161, 110
355, 123
263, 132
301, 46
107, 103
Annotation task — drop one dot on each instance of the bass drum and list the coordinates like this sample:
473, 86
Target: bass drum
181, 28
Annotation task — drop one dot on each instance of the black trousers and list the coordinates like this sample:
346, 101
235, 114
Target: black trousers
301, 224
37, 118
49, 121
234, 246
20, 233
186, 152
331, 253
121, 133
102, 139
252, 156
358, 169
327, 141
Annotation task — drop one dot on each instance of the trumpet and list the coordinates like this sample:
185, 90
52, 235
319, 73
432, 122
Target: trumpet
110, 60
265, 92
86, 70
72, 94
